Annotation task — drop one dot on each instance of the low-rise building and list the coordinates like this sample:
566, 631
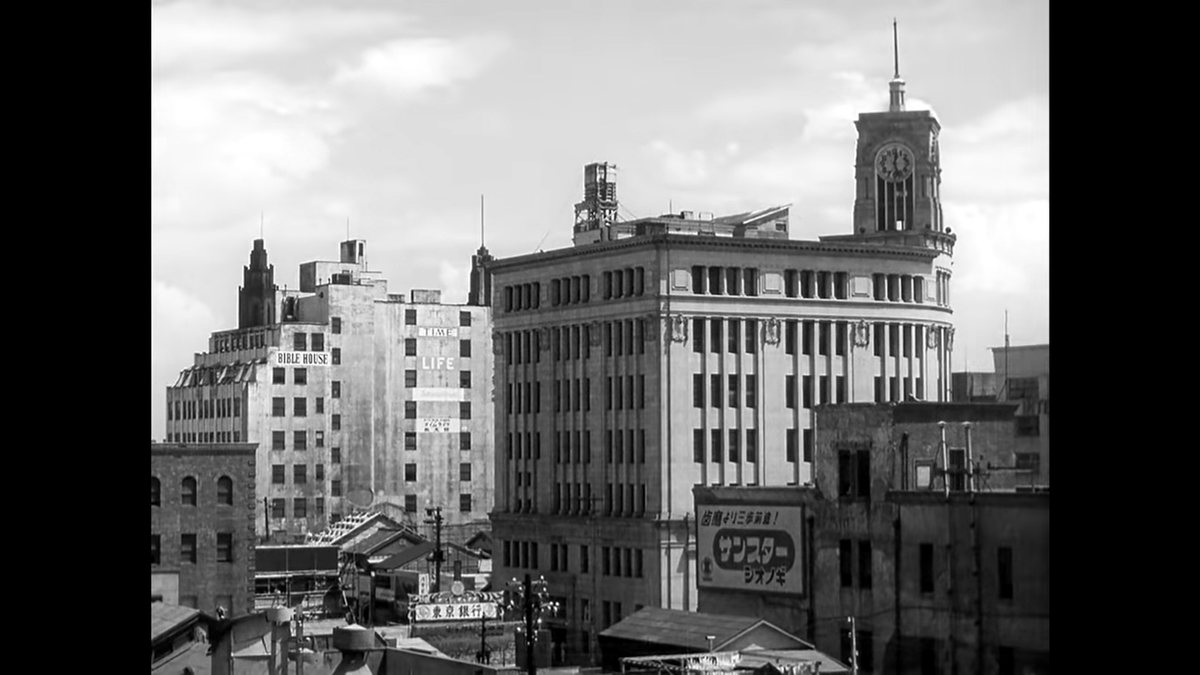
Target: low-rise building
202, 525
896, 550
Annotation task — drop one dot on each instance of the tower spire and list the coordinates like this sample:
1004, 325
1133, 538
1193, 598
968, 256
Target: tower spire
896, 86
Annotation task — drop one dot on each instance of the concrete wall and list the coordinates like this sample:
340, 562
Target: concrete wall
207, 582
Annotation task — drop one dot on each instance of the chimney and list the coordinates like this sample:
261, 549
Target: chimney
354, 642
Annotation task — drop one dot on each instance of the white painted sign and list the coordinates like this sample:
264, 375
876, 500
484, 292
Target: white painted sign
440, 394
446, 611
436, 332
301, 359
753, 548
423, 583
435, 424
437, 363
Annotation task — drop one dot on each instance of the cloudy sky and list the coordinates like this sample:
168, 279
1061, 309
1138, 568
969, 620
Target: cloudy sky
395, 116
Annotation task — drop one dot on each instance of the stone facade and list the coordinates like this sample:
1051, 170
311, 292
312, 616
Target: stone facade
217, 510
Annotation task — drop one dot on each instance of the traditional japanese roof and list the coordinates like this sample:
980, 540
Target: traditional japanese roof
677, 628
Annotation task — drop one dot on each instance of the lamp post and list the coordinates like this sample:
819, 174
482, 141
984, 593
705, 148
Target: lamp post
433, 516
710, 639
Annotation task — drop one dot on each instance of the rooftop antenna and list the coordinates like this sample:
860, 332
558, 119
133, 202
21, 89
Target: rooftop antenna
896, 86
896, 48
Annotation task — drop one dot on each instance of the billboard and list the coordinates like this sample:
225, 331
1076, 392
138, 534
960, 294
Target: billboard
750, 547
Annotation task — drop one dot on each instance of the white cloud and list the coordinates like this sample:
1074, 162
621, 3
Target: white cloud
177, 318
1002, 248
410, 66
207, 35
1003, 156
454, 278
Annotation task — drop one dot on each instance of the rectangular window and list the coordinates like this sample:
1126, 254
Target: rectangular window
300, 376
410, 473
845, 553
733, 445
335, 422
300, 407
789, 336
335, 325
464, 471
808, 445
808, 391
410, 440
464, 410
410, 346
335, 487
926, 560
880, 331
410, 410
464, 379
278, 474
278, 406
715, 397
735, 333
1004, 571
698, 336
279, 376
320, 475
841, 388
823, 341
410, 317
464, 441
224, 547
300, 342
698, 446
277, 508
864, 474
464, 349
187, 548
864, 564
751, 391
319, 506
279, 440
790, 393
698, 391
320, 405
752, 446
791, 445
410, 506
734, 390
716, 445
806, 338
335, 389
299, 507
464, 502
335, 455
335, 356
300, 440
410, 379
715, 335
318, 342
464, 319
300, 474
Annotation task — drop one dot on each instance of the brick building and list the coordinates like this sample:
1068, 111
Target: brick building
353, 396
202, 523
686, 349
943, 570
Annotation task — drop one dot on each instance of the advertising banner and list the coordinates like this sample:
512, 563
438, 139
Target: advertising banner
436, 425
447, 611
436, 332
752, 548
440, 394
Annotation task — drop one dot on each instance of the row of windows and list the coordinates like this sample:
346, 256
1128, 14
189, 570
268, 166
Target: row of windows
621, 500
188, 491
464, 378
943, 289
410, 347
410, 319
622, 395
807, 400
464, 437
279, 376
816, 284
205, 437
188, 549
724, 280
576, 447
570, 290
893, 335
300, 341
615, 561
299, 439
204, 408
239, 341
733, 452
734, 391
926, 567
299, 507
733, 335
619, 338
899, 288
572, 395
299, 474
892, 390
522, 296
299, 406
626, 283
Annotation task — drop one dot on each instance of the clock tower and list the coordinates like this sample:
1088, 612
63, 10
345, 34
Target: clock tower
897, 169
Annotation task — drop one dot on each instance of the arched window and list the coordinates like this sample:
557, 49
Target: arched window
155, 492
225, 490
189, 491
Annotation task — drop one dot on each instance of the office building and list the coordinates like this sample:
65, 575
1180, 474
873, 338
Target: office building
354, 397
685, 349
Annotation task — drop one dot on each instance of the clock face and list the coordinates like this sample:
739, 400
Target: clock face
894, 162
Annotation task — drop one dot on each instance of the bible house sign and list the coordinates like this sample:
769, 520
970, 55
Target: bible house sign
750, 548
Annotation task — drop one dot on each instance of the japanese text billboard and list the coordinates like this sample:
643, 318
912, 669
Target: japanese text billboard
751, 548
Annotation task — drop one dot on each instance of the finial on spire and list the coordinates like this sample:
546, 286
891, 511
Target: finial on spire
896, 86
896, 47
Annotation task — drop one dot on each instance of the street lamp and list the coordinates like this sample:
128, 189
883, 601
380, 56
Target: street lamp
710, 639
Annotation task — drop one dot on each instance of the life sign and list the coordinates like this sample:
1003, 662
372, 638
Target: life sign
301, 358
437, 363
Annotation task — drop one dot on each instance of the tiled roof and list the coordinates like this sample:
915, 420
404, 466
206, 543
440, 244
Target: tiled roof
165, 618
380, 539
406, 556
677, 628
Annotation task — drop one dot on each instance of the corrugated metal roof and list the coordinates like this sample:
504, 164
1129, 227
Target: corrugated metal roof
678, 628
406, 556
755, 658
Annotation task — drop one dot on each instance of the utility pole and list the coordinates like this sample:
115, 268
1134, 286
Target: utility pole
853, 647
530, 665
434, 517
